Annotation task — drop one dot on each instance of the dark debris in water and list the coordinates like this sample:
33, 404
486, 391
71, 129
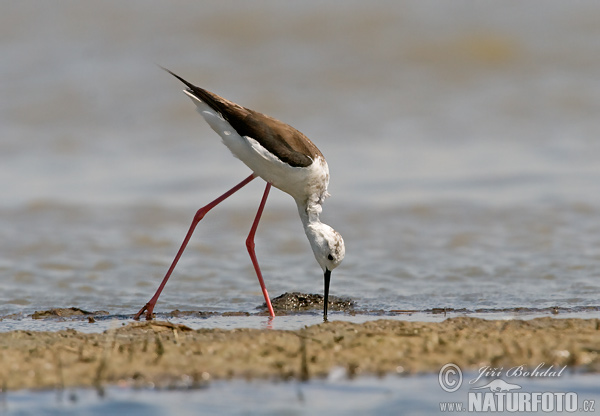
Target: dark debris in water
65, 313
296, 301
238, 313
191, 314
554, 310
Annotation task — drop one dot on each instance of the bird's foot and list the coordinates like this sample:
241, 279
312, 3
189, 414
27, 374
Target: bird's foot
148, 308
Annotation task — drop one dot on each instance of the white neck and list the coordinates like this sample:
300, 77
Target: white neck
326, 243
309, 212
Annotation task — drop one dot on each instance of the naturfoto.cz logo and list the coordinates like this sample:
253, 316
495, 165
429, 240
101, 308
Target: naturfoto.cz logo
490, 392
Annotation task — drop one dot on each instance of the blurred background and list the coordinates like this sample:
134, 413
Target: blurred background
462, 141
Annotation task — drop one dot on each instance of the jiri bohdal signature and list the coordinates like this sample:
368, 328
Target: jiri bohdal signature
518, 371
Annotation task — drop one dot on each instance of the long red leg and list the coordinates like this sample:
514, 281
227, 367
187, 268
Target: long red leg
149, 307
250, 246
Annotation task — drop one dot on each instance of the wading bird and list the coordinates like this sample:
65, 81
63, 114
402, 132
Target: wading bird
285, 159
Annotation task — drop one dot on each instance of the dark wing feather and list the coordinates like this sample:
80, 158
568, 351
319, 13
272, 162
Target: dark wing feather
281, 139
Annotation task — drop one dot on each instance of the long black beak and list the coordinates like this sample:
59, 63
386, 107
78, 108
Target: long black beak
326, 296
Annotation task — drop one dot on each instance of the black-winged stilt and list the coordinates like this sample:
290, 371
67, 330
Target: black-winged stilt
285, 159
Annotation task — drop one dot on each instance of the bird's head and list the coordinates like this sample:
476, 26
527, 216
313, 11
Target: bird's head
328, 247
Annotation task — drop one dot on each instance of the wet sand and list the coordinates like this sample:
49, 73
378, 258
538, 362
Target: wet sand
165, 355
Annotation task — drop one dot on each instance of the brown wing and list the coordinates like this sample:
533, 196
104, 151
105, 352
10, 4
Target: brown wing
284, 141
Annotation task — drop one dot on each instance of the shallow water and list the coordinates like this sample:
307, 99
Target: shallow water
462, 141
460, 256
392, 395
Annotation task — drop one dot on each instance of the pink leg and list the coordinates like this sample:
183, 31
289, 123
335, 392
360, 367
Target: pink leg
250, 246
149, 307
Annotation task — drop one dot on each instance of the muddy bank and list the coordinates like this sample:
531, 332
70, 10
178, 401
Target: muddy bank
167, 355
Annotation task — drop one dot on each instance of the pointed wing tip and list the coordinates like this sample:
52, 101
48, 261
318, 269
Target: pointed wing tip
167, 70
190, 86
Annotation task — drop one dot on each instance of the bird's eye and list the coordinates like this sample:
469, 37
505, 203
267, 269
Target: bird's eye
330, 257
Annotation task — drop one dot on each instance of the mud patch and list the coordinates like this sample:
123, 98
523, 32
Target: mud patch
162, 354
301, 302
